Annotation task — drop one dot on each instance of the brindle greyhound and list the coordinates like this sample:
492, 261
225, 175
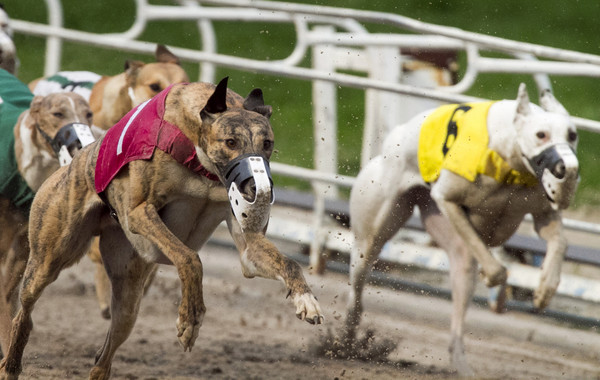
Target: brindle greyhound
471, 197
111, 97
165, 203
36, 135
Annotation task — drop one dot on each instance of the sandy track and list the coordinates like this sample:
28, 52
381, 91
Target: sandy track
250, 332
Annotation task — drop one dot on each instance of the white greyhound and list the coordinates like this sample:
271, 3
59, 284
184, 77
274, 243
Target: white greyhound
474, 172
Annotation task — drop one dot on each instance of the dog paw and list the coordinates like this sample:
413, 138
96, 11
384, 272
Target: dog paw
308, 309
7, 376
497, 277
187, 334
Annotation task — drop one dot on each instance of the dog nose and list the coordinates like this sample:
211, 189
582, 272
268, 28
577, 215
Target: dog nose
559, 170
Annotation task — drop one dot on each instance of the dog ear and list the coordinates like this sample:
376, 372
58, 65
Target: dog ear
522, 102
550, 104
217, 102
132, 69
164, 55
254, 102
36, 106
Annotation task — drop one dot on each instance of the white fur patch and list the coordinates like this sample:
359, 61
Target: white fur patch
36, 164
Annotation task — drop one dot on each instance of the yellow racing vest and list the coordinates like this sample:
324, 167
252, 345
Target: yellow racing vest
455, 137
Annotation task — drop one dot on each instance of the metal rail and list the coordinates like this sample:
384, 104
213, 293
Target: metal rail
350, 33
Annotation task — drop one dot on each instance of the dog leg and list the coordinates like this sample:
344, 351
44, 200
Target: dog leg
103, 292
259, 257
377, 214
549, 228
128, 274
15, 267
41, 271
494, 272
463, 274
144, 220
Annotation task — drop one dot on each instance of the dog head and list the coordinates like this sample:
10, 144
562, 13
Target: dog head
547, 139
63, 121
146, 80
8, 51
239, 142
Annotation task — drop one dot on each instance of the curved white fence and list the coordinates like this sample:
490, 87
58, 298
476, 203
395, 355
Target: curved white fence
349, 35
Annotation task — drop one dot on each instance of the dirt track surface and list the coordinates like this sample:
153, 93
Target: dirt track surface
250, 332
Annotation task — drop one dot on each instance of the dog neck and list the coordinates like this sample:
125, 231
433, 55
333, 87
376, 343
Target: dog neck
502, 134
35, 160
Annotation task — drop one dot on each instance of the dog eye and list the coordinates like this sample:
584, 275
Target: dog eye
58, 114
267, 144
89, 115
231, 143
541, 135
155, 87
572, 136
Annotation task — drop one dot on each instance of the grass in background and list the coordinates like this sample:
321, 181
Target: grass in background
569, 25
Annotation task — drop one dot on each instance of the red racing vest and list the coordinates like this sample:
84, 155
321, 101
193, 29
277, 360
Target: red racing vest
137, 135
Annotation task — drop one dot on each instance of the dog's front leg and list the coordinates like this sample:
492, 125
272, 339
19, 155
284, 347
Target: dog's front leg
448, 194
261, 258
549, 227
144, 220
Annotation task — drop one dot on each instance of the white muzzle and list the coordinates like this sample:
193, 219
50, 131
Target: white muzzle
557, 168
252, 216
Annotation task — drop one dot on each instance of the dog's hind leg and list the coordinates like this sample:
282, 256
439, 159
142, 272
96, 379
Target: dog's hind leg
15, 267
42, 269
378, 208
14, 264
103, 292
128, 273
463, 272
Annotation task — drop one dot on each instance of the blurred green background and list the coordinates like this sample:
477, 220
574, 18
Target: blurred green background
557, 23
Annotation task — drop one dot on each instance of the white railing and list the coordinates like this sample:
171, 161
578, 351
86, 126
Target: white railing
348, 34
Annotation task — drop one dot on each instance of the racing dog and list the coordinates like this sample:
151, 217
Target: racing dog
160, 173
37, 134
474, 170
111, 97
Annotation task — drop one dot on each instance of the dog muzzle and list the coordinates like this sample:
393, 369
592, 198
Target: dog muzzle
557, 168
69, 139
252, 215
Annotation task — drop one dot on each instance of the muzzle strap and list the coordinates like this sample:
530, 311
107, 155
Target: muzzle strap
69, 138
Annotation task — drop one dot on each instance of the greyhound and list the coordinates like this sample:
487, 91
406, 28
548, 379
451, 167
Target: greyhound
154, 188
474, 170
